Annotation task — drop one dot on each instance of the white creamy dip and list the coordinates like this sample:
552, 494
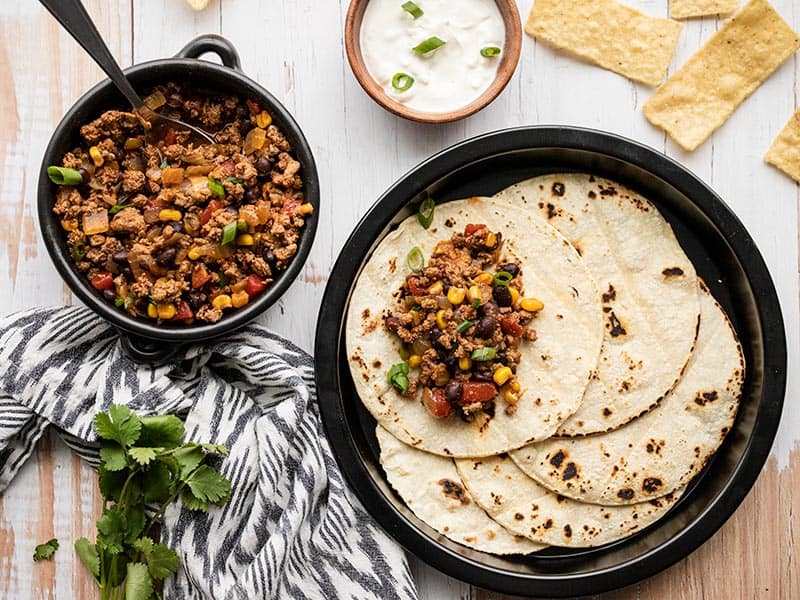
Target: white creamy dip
448, 78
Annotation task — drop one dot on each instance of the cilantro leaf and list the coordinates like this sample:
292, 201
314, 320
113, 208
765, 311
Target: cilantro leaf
113, 457
143, 545
138, 583
134, 522
143, 456
162, 561
165, 431
189, 457
192, 502
215, 449
89, 557
45, 551
119, 425
209, 485
111, 526
111, 483
157, 483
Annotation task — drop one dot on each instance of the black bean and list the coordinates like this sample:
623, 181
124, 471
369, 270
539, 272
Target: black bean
450, 361
177, 226
453, 391
195, 300
120, 257
486, 327
253, 194
126, 271
110, 295
263, 166
270, 257
502, 295
511, 268
482, 375
490, 308
84, 175
166, 256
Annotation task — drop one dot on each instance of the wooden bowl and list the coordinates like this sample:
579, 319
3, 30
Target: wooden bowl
508, 64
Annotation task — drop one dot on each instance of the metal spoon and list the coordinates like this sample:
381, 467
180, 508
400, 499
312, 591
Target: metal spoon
74, 18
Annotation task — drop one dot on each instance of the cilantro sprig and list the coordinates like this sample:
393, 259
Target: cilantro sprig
144, 462
45, 551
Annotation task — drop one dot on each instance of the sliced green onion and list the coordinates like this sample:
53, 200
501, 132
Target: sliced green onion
490, 51
416, 308
464, 326
398, 376
234, 180
223, 280
216, 187
412, 9
402, 82
415, 260
502, 278
229, 233
426, 210
64, 176
78, 251
115, 209
429, 45
128, 301
484, 354
475, 303
119, 302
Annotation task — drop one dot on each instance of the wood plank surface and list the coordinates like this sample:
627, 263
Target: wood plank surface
294, 48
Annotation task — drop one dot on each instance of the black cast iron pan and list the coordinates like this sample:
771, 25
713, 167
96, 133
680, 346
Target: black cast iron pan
724, 255
142, 340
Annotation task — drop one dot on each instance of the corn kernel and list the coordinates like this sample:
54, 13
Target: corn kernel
440, 320
515, 386
170, 214
485, 278
96, 156
69, 224
305, 209
222, 301
264, 119
239, 299
133, 143
465, 364
455, 296
165, 311
531, 304
511, 397
514, 295
436, 288
502, 375
193, 254
245, 239
491, 240
152, 311
474, 293
414, 361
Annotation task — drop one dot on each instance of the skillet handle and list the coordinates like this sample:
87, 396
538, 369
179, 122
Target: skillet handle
216, 44
145, 351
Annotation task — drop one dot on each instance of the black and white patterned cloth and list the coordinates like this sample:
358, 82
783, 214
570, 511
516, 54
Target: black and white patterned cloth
291, 528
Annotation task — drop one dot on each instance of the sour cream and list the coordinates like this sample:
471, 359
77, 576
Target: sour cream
447, 78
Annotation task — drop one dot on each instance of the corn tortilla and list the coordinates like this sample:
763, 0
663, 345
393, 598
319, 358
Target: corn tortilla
609, 34
705, 92
784, 154
687, 9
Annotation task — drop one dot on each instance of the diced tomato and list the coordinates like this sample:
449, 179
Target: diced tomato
290, 205
511, 327
471, 228
229, 168
184, 311
415, 287
436, 403
255, 285
169, 136
200, 276
103, 281
211, 208
477, 391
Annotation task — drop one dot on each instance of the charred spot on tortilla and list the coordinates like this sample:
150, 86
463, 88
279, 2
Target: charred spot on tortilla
558, 189
610, 295
626, 493
560, 498
576, 293
609, 191
449, 222
376, 363
607, 412
672, 272
392, 264
557, 459
519, 516
570, 472
704, 398
614, 326
552, 212
651, 484
567, 531
453, 490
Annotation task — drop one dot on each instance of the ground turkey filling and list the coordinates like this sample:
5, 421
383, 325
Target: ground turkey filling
180, 233
461, 319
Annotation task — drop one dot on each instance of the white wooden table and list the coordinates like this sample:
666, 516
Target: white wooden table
294, 48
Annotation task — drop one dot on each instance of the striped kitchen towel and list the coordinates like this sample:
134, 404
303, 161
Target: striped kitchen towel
291, 529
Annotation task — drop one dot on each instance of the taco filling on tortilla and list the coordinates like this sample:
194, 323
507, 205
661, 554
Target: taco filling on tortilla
461, 319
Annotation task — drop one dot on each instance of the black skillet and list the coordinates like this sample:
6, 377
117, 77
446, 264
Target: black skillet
724, 255
141, 339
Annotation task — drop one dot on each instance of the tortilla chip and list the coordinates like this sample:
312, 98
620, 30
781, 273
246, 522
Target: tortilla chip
610, 34
705, 92
686, 9
784, 154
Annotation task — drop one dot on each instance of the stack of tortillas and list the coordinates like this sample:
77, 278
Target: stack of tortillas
631, 386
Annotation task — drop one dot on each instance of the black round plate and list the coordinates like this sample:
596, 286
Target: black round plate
724, 255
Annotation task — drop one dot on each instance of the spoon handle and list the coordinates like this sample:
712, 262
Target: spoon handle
74, 18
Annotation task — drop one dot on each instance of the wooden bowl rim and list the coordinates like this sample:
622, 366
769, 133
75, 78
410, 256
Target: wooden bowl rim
512, 49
